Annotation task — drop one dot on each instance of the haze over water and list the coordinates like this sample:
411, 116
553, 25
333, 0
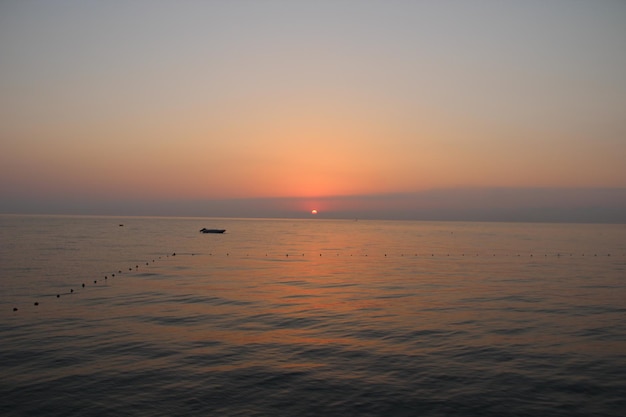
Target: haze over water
310, 317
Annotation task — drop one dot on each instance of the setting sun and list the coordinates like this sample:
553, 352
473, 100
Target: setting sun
314, 211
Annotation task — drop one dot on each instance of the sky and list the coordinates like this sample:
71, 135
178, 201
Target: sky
382, 109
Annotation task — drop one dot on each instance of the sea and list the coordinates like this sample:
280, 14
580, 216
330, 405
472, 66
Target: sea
144, 316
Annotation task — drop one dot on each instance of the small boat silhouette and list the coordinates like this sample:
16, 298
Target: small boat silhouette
205, 230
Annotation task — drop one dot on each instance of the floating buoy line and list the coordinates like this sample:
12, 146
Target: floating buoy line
292, 255
95, 281
417, 255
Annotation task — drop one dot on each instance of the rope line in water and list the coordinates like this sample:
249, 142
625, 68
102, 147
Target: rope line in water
95, 281
427, 255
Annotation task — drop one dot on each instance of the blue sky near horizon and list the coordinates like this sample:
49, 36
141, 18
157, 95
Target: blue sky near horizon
147, 102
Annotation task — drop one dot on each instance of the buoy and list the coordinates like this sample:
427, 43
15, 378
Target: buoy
36, 303
14, 308
58, 296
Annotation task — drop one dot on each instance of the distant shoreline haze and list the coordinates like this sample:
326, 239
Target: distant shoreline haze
557, 205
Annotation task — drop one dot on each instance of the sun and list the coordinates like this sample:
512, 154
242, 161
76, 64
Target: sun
314, 211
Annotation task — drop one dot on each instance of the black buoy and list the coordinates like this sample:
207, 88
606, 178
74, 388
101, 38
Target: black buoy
36, 303
58, 296
83, 285
14, 308
71, 290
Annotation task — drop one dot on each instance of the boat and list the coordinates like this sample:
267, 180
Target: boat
205, 230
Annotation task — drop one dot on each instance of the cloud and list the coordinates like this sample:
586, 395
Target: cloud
584, 205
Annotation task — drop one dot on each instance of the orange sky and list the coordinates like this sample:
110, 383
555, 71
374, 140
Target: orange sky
302, 99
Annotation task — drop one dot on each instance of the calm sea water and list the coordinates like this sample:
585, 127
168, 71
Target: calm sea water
310, 318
